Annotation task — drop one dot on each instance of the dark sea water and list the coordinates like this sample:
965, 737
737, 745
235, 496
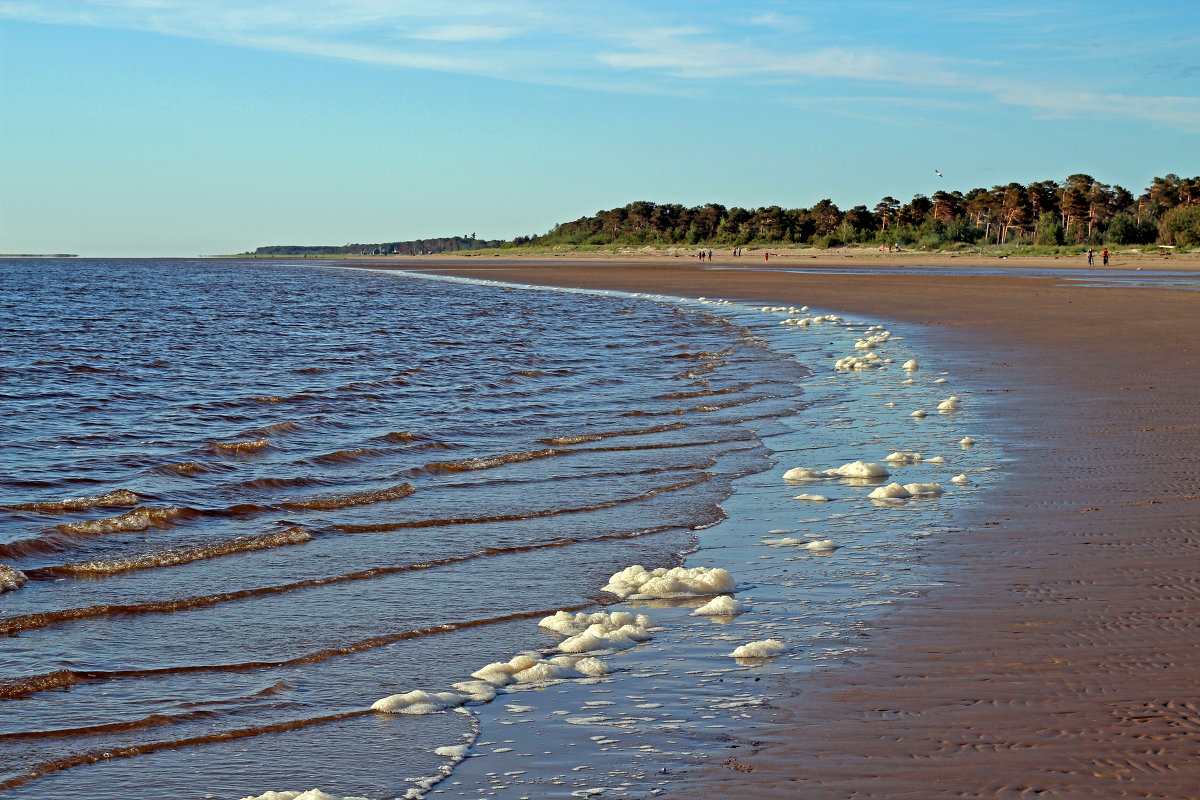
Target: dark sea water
241, 502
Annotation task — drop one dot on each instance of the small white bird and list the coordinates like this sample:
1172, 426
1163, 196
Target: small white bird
939, 172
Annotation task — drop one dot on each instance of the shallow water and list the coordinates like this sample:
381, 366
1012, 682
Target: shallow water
249, 500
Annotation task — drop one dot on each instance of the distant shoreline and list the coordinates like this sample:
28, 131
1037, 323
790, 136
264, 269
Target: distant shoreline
832, 258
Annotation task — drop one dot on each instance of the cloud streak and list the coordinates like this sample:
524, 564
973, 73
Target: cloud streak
617, 46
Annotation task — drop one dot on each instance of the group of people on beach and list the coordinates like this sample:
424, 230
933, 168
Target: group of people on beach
708, 254
1091, 254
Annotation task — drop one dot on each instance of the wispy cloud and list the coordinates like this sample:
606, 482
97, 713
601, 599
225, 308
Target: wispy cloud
625, 46
466, 33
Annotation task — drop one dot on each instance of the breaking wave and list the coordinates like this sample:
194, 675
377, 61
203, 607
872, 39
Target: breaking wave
121, 497
175, 557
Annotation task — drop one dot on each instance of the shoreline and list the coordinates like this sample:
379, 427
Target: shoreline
1145, 258
1060, 655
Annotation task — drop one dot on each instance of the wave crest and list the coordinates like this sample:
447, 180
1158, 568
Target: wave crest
186, 555
120, 497
332, 502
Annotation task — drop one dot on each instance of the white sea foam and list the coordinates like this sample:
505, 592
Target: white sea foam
803, 474
722, 606
859, 469
637, 581
911, 365
966, 441
812, 498
935, 460
895, 491
477, 691
311, 794
949, 404
569, 624
918, 414
960, 479
872, 341
785, 541
764, 649
419, 702
454, 751
818, 546
599, 631
900, 457
871, 360
525, 668
562, 668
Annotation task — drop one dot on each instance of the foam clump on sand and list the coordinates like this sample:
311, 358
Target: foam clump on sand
569, 624
895, 491
529, 669
477, 691
960, 479
764, 649
949, 404
911, 365
311, 794
599, 631
804, 322
561, 668
457, 751
419, 702
638, 582
723, 606
818, 546
803, 474
900, 457
872, 341
859, 469
11, 578
812, 498
859, 363
966, 441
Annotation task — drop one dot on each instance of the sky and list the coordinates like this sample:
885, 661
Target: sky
200, 127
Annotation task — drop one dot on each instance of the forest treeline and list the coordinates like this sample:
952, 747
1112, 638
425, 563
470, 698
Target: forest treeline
1077, 211
412, 247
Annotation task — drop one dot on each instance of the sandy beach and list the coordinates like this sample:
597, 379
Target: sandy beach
1060, 656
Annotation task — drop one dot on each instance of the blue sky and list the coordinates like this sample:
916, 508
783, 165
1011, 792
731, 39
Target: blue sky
185, 127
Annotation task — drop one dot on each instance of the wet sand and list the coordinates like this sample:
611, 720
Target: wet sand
1061, 656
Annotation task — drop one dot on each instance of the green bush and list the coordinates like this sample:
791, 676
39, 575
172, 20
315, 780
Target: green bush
1122, 229
1049, 231
1181, 226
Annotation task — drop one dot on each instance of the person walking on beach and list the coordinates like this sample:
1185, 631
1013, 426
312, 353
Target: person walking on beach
1104, 256
1091, 257
710, 254
766, 256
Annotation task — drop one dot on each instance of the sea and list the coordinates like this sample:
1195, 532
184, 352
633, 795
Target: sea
244, 502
